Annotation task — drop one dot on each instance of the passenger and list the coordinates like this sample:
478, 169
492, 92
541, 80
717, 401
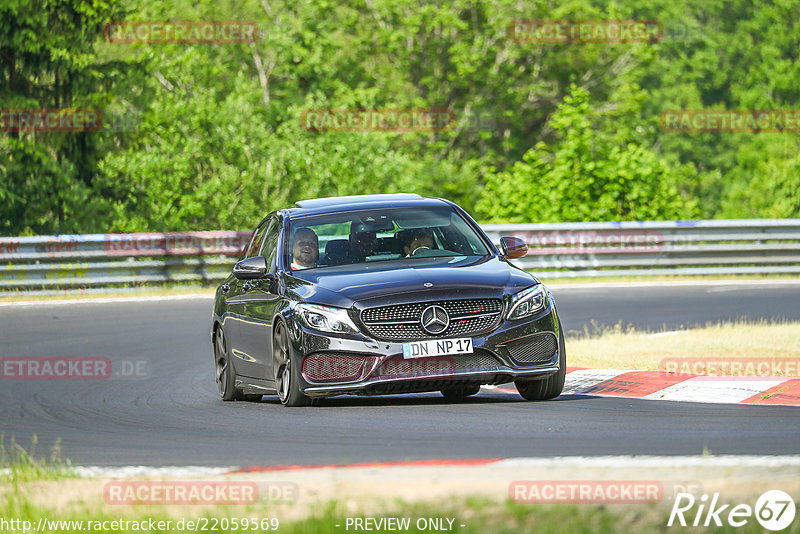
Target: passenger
362, 242
305, 250
418, 240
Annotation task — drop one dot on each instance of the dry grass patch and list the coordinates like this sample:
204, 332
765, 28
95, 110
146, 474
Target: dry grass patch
621, 348
578, 280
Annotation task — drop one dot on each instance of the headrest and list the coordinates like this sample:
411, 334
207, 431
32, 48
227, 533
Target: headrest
337, 249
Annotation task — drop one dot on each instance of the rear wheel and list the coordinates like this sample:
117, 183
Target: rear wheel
552, 386
286, 373
455, 393
225, 373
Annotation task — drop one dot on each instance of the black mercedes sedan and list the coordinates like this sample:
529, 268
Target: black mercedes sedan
382, 294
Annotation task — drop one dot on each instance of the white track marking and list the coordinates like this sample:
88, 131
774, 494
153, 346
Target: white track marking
109, 300
576, 381
682, 283
583, 379
716, 389
147, 471
655, 461
670, 333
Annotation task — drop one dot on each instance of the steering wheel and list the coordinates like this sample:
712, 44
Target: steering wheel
418, 249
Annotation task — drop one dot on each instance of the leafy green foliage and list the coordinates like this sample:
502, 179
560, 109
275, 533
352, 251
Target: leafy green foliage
588, 174
47, 60
544, 131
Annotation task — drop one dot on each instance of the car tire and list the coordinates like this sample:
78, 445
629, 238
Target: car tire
225, 372
552, 386
287, 376
456, 393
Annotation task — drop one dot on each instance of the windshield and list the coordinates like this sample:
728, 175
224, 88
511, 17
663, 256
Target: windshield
381, 235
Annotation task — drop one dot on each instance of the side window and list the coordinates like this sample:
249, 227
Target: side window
270, 245
255, 240
252, 242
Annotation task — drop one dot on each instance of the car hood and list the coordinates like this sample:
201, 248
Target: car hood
371, 284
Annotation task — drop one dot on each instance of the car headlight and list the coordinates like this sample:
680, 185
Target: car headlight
326, 318
527, 302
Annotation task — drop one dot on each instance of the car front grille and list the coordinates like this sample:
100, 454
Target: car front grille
468, 317
533, 350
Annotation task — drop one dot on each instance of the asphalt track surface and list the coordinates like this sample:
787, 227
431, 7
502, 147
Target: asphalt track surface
171, 414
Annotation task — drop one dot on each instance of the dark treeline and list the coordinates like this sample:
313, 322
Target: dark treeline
207, 136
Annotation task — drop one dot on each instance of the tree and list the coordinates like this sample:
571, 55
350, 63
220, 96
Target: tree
588, 174
47, 61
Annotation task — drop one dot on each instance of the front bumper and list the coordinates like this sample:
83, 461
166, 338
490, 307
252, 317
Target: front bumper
337, 365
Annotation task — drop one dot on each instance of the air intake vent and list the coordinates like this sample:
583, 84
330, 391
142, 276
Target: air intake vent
537, 349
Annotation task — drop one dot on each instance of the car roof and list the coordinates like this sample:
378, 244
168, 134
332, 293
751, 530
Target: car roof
321, 206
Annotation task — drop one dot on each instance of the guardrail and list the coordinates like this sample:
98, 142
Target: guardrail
40, 263
656, 248
557, 250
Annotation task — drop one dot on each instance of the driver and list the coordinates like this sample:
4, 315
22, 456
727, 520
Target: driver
418, 240
305, 250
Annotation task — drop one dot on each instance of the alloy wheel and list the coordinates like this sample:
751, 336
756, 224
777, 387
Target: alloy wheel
221, 361
284, 374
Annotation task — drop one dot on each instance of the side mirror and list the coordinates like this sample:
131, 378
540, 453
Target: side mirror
513, 247
251, 268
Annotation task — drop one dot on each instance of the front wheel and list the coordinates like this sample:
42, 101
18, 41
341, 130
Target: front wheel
552, 386
287, 375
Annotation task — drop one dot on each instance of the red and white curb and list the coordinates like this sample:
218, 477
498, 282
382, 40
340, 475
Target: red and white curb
661, 385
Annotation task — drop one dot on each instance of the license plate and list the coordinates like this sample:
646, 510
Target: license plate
437, 347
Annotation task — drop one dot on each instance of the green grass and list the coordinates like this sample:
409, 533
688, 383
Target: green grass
25, 478
19, 464
479, 516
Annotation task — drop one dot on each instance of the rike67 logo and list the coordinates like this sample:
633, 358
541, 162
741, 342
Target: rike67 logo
774, 510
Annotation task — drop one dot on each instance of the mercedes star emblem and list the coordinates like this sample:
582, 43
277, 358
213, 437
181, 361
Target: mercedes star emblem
434, 319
